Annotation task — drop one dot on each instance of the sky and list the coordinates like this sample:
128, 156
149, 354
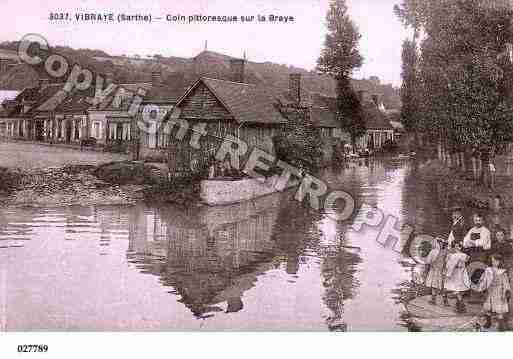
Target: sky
296, 43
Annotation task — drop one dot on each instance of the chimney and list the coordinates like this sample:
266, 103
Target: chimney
295, 87
156, 77
237, 70
43, 83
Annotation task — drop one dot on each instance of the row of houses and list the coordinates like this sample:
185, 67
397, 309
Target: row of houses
254, 113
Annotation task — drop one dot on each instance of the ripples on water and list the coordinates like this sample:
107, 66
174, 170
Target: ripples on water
268, 264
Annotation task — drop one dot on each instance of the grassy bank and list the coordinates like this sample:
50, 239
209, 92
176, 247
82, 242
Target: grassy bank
455, 186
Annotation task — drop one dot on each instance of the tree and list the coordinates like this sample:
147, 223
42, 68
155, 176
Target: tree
409, 88
339, 58
462, 86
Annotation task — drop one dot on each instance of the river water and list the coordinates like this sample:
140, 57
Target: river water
268, 264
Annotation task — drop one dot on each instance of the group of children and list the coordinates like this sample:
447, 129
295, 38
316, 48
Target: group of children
449, 267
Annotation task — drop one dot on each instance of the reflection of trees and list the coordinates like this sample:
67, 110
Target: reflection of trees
339, 268
295, 231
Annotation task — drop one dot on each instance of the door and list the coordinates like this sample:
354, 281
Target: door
68, 127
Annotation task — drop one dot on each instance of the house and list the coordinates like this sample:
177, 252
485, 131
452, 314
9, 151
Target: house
112, 121
321, 111
157, 103
8, 59
20, 122
6, 97
245, 111
394, 116
378, 129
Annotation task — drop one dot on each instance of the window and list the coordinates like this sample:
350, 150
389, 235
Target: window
112, 131
96, 130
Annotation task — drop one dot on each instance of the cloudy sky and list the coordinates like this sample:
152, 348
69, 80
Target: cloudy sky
297, 43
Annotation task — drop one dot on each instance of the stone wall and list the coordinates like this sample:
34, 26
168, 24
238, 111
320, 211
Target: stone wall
222, 192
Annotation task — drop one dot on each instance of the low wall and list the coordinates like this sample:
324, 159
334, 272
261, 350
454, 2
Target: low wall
223, 191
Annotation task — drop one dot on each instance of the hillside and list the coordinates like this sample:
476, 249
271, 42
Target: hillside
207, 63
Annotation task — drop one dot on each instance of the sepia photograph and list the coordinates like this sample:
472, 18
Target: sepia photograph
307, 166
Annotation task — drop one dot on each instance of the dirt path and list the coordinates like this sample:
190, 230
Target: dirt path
31, 156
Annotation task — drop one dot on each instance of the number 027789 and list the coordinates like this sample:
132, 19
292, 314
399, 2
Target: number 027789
33, 348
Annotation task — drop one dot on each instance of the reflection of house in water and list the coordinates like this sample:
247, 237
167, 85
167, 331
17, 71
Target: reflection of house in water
209, 255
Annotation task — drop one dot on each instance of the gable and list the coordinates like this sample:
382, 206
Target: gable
201, 103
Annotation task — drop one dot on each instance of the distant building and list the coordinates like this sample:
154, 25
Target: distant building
6, 99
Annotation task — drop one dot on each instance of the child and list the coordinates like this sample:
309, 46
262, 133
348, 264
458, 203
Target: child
500, 245
435, 277
496, 282
457, 280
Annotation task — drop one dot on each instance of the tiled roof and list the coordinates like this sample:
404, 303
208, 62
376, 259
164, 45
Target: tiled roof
246, 102
165, 93
323, 112
76, 102
324, 117
120, 100
374, 118
29, 94
50, 98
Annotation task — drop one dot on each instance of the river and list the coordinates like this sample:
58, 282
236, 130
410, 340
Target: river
268, 264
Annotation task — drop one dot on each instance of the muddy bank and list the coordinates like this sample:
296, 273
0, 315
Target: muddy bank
72, 185
120, 183
456, 187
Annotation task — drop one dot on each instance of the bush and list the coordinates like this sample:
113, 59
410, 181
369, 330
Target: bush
126, 172
9, 180
300, 144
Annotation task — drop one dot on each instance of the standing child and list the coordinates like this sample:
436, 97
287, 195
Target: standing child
457, 280
500, 245
435, 277
496, 282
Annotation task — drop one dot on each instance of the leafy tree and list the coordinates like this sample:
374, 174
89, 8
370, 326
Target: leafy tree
462, 86
339, 58
409, 88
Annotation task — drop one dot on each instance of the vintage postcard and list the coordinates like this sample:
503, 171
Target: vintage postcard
313, 165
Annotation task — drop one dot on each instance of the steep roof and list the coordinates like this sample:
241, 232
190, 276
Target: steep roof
76, 102
49, 98
246, 102
165, 93
374, 118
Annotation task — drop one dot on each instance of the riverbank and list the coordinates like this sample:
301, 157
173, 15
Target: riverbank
455, 187
64, 186
117, 183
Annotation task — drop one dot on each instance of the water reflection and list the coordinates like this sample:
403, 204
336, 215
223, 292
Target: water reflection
209, 256
268, 264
